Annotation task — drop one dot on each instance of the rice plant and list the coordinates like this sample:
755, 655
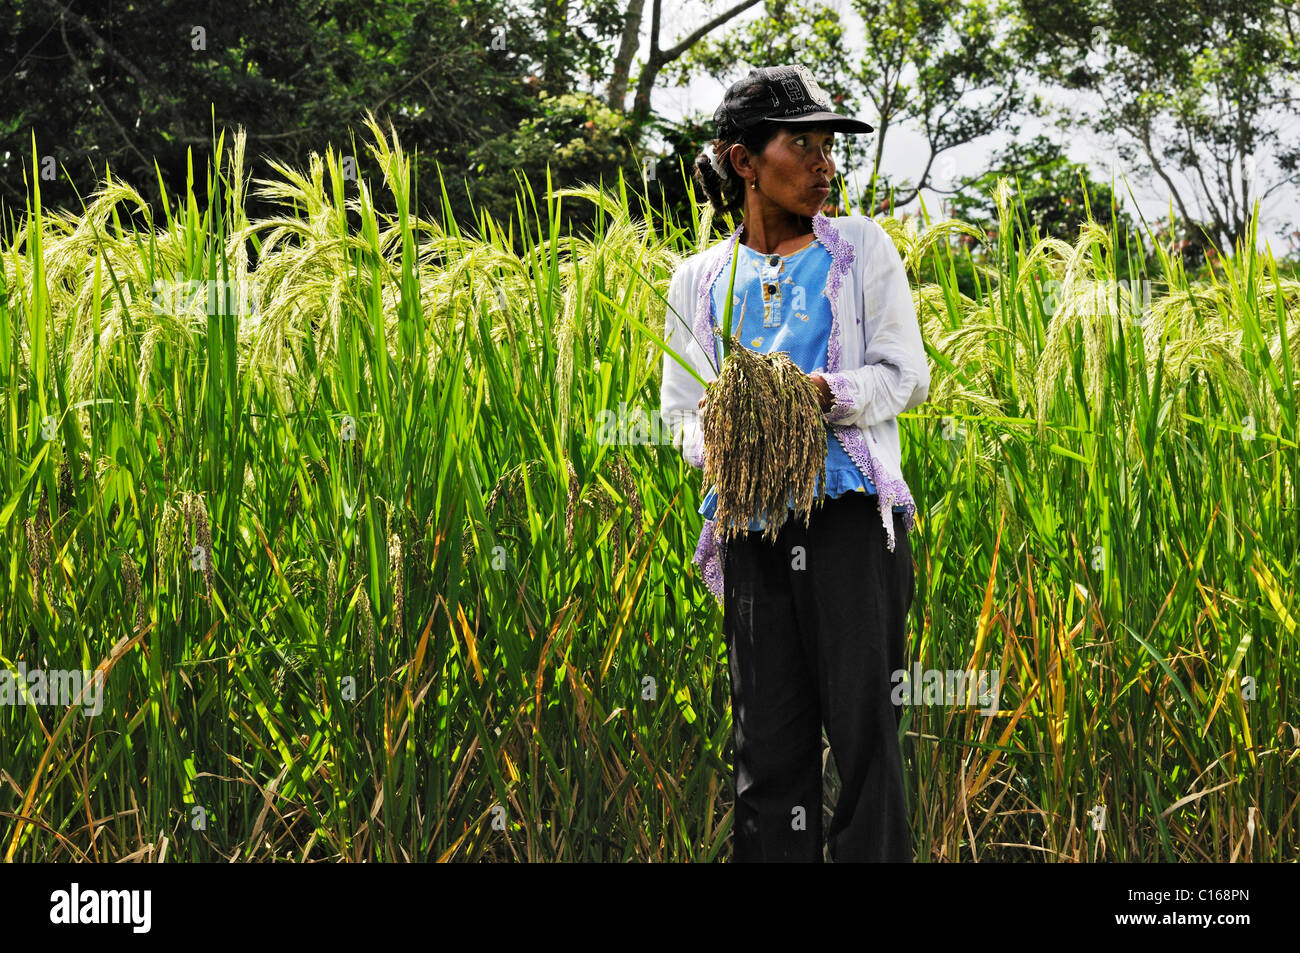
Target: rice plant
367, 578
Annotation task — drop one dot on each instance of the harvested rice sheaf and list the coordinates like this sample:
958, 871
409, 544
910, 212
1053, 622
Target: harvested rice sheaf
764, 441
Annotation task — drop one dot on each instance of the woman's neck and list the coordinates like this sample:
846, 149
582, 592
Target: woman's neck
766, 236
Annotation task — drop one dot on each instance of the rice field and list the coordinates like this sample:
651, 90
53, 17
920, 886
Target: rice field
381, 555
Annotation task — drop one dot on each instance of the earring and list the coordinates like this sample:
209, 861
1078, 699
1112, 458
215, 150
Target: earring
753, 185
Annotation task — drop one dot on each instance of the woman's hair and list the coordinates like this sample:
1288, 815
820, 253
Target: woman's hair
728, 195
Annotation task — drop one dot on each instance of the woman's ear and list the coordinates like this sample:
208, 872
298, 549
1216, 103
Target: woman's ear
741, 160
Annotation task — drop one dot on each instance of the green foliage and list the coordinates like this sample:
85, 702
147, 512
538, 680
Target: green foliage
924, 63
1057, 195
582, 141
128, 85
372, 577
1196, 99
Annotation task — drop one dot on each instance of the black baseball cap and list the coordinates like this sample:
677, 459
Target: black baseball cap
779, 94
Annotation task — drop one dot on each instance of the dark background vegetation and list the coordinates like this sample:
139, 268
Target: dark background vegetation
488, 93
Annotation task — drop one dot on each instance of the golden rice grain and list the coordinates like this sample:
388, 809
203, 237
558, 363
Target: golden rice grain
764, 441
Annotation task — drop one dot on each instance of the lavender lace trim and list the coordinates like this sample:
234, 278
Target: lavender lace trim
841, 394
888, 490
709, 556
704, 311
842, 254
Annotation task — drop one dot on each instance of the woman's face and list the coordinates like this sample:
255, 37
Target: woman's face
795, 170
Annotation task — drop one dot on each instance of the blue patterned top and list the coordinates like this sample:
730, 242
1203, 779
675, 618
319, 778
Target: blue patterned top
780, 304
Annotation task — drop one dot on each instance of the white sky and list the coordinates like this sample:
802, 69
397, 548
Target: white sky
906, 149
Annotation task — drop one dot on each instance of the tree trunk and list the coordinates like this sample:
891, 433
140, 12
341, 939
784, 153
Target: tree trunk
658, 58
1145, 137
555, 79
627, 48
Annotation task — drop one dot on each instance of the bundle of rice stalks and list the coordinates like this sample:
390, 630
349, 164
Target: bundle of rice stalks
764, 441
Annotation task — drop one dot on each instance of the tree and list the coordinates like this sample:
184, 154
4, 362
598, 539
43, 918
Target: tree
658, 56
577, 136
925, 61
130, 84
1201, 88
1049, 186
568, 39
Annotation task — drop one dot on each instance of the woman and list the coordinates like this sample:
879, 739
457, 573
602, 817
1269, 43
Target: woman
815, 621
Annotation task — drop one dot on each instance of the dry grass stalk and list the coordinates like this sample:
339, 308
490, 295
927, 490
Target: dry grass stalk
131, 575
331, 592
38, 546
368, 624
627, 484
571, 504
764, 441
199, 533
395, 567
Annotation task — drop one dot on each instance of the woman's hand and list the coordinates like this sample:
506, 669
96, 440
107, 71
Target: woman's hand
823, 391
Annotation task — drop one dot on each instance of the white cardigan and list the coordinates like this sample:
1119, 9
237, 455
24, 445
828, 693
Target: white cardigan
876, 365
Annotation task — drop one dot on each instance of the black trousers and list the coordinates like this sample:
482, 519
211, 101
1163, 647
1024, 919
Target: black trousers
815, 624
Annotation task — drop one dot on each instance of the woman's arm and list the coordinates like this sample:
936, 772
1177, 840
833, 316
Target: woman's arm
679, 392
896, 375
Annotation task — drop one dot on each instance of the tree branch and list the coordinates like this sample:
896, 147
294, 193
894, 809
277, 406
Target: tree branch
85, 75
1145, 139
82, 24
671, 54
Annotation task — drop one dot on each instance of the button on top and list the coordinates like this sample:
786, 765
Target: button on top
773, 259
